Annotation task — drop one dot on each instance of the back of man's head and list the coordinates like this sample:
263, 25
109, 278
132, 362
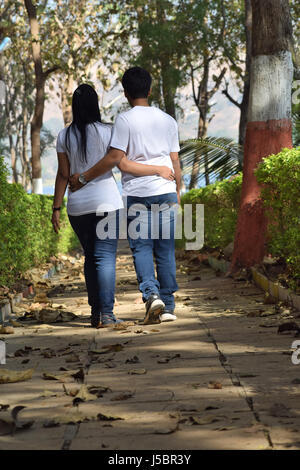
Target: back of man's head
137, 82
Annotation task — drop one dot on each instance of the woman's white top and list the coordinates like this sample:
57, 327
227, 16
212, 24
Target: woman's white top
101, 194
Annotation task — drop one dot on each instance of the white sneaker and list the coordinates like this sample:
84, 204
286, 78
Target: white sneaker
167, 316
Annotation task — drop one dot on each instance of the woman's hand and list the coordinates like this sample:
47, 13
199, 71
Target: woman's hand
166, 172
56, 221
74, 183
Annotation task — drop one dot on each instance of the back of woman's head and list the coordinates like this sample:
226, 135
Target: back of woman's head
86, 111
85, 105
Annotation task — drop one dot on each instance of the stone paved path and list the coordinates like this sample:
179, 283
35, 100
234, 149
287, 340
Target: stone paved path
218, 378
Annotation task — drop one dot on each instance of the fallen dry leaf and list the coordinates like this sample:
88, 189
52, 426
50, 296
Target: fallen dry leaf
204, 420
102, 417
98, 390
288, 326
79, 376
12, 376
133, 360
48, 353
16, 324
69, 418
9, 422
73, 358
41, 298
48, 394
52, 315
215, 385
137, 371
122, 397
4, 407
84, 395
61, 377
6, 330
22, 352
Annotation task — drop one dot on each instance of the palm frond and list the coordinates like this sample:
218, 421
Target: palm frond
219, 156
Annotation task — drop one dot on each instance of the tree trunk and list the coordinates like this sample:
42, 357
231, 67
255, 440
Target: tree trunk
13, 159
40, 80
202, 133
25, 160
37, 120
202, 104
168, 89
269, 127
245, 101
167, 73
67, 86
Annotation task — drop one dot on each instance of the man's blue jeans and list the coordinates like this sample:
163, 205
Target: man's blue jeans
156, 238
100, 262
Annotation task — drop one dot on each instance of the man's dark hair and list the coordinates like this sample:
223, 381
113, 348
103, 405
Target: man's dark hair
137, 82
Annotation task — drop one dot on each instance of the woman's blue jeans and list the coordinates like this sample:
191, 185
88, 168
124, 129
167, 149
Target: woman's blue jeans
156, 228
100, 262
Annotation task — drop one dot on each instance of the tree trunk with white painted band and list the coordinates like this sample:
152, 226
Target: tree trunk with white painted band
269, 127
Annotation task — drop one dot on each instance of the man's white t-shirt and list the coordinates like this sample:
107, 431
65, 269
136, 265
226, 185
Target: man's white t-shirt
148, 136
101, 194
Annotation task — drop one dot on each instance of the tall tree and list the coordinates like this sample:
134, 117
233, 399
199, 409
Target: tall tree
160, 33
18, 77
269, 127
202, 23
41, 76
90, 36
242, 74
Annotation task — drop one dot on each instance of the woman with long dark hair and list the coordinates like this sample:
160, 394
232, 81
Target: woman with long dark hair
79, 147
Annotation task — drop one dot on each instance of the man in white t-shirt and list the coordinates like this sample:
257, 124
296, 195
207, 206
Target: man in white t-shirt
149, 136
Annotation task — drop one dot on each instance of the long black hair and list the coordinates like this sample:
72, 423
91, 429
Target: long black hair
85, 110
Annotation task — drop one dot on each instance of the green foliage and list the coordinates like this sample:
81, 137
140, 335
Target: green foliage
280, 176
221, 201
26, 234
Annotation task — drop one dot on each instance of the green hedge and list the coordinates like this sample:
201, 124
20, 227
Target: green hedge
26, 234
221, 201
280, 176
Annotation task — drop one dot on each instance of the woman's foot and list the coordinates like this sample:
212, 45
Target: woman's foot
95, 318
108, 319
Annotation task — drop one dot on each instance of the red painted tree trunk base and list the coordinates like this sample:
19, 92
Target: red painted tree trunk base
262, 139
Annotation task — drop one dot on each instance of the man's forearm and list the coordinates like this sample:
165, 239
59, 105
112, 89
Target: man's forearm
137, 169
111, 159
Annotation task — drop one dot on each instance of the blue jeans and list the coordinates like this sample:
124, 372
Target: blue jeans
156, 238
100, 262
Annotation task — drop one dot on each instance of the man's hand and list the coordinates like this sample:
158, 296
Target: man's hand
166, 172
55, 221
178, 197
74, 183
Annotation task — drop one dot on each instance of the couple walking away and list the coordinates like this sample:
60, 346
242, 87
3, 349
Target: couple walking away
144, 144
